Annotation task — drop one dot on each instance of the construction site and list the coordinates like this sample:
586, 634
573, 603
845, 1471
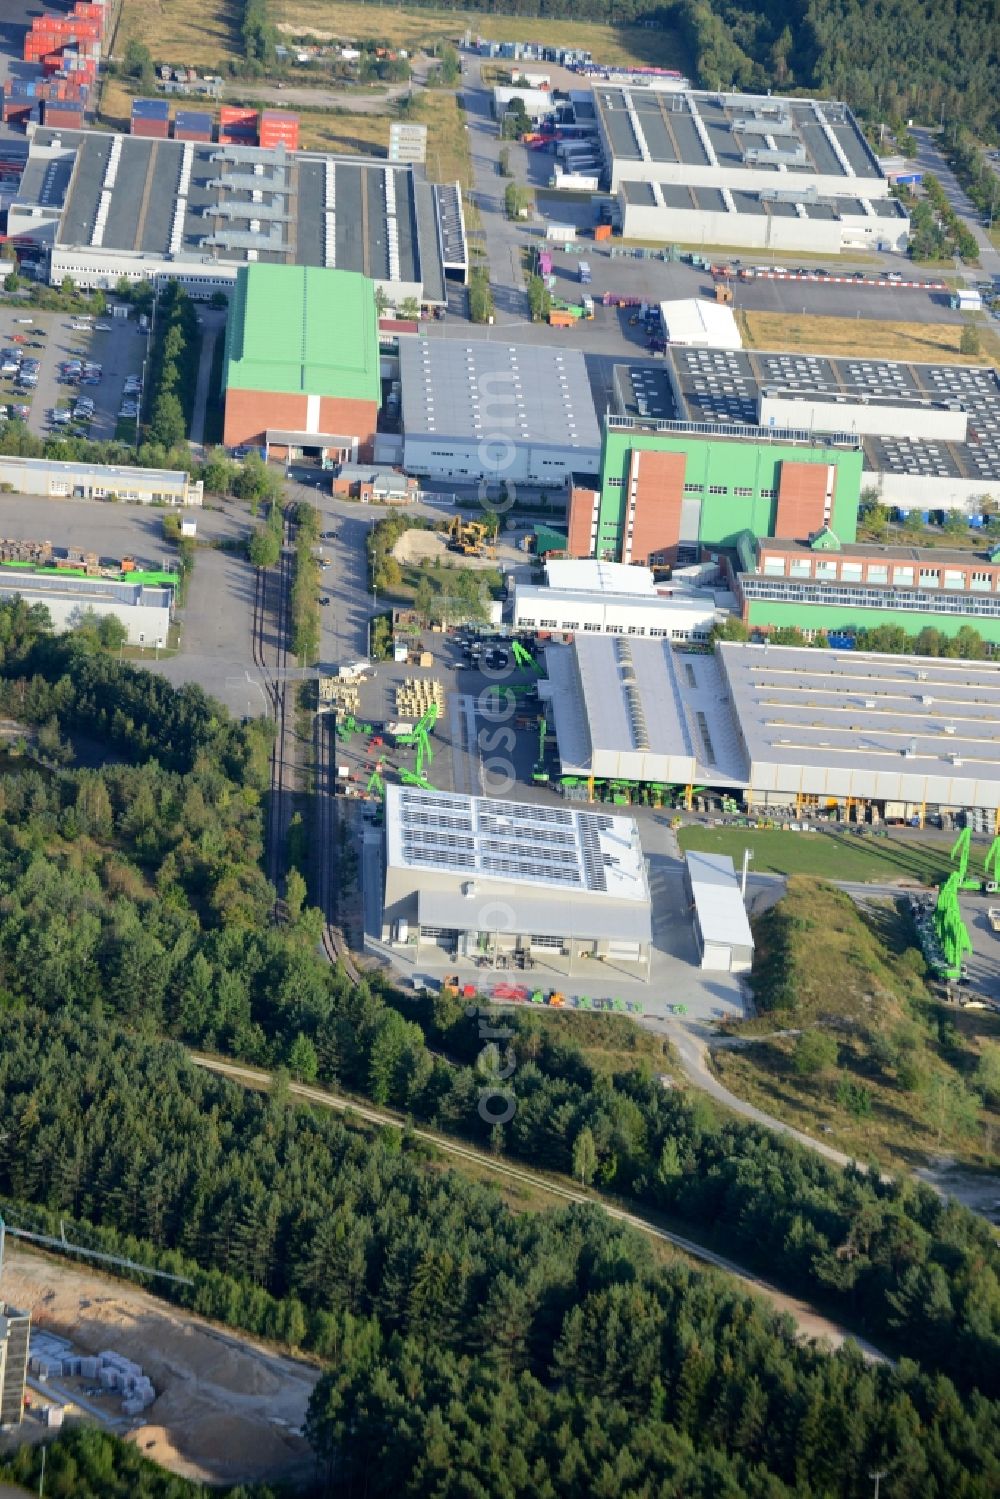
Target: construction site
224, 1409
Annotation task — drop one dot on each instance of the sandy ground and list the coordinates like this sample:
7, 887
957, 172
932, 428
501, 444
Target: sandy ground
227, 1409
432, 546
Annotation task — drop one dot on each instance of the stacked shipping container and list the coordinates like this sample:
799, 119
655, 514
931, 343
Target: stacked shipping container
237, 125
151, 117
192, 125
278, 128
67, 51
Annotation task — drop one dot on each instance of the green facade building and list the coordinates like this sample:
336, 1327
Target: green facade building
675, 485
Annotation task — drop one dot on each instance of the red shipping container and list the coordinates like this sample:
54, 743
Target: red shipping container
237, 114
152, 129
270, 138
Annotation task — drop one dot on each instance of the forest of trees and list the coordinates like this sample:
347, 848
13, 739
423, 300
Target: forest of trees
471, 1349
926, 58
132, 895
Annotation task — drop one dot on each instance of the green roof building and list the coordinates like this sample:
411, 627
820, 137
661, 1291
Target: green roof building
301, 372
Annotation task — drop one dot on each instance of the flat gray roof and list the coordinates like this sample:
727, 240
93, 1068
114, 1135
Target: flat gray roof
722, 916
734, 124
633, 707
644, 390
483, 388
227, 195
851, 711
723, 385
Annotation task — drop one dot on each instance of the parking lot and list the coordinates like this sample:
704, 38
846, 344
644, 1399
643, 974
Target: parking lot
661, 281
52, 339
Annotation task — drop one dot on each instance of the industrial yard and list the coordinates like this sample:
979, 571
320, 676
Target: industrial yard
515, 528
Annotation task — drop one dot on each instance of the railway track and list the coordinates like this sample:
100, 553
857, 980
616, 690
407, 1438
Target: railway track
324, 759
270, 657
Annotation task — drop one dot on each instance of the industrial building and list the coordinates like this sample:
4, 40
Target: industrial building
824, 586
482, 409
721, 926
107, 206
481, 877
672, 484
722, 432
144, 609
97, 481
301, 372
611, 598
744, 170
783, 727
634, 710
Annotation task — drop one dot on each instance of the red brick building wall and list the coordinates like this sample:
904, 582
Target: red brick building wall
580, 522
802, 497
656, 481
249, 414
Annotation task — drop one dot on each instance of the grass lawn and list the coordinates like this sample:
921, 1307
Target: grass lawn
207, 36
832, 856
895, 1082
187, 32
921, 342
415, 28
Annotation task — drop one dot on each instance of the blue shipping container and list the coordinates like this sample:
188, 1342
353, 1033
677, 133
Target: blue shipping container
150, 109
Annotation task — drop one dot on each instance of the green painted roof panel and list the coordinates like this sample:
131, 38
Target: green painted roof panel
303, 330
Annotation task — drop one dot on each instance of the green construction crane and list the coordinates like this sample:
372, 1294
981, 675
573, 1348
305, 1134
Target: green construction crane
960, 851
376, 785
424, 752
349, 725
410, 778
523, 657
421, 728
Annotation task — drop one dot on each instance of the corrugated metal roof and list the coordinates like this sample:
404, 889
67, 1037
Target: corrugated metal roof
303, 330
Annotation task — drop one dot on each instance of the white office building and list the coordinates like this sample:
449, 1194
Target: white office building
613, 598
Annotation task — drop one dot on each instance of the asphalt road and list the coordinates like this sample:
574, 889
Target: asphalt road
345, 620
929, 159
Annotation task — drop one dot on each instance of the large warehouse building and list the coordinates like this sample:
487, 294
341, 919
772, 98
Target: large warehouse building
747, 170
781, 726
99, 481
481, 409
109, 206
480, 877
301, 372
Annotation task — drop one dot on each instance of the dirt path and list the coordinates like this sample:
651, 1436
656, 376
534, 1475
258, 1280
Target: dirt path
810, 1322
228, 1410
